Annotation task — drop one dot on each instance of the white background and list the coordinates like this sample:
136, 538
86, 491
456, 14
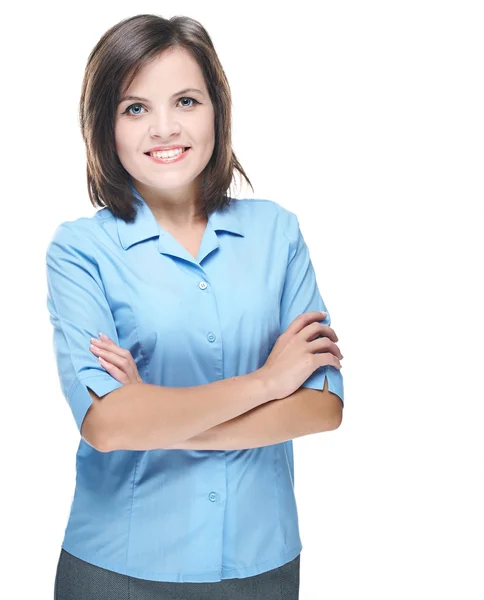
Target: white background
366, 120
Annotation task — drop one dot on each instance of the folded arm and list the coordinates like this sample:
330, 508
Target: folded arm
304, 412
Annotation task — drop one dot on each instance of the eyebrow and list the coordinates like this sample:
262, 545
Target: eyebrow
185, 91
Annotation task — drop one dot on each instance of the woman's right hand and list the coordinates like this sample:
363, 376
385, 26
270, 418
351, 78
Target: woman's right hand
293, 359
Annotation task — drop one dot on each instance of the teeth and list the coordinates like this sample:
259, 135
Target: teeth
167, 153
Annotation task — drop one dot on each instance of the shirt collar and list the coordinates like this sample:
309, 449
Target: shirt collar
145, 225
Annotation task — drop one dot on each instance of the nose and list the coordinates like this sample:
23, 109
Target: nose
164, 124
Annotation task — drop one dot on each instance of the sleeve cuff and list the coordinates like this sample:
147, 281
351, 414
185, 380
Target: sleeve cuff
335, 381
80, 399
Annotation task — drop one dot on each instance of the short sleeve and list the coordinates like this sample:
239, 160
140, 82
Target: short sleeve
78, 311
301, 294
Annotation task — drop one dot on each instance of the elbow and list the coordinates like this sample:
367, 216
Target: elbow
104, 448
329, 422
338, 419
94, 428
336, 411
98, 445
91, 433
331, 416
331, 409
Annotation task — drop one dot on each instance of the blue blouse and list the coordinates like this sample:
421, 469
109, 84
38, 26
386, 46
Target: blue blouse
180, 515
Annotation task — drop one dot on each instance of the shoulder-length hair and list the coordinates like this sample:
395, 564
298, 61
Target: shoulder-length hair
111, 67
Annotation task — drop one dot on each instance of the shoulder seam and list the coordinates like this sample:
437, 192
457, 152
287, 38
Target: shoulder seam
79, 246
282, 226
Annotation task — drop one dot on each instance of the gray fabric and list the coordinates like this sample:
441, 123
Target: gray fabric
79, 580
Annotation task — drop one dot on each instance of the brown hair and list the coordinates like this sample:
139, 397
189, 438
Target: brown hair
114, 62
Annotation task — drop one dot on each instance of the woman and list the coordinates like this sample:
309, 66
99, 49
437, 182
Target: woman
185, 476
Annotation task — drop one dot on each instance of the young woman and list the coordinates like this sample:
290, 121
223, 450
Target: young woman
215, 348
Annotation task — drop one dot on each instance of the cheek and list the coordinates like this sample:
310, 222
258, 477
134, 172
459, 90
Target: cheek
118, 144
207, 129
209, 139
126, 149
123, 137
119, 139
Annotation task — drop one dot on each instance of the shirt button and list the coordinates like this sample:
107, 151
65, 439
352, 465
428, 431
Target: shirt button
202, 285
213, 497
211, 337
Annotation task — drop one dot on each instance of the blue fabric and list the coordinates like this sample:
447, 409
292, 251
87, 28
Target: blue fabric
77, 579
180, 515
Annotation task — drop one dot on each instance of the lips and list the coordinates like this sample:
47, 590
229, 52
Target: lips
184, 150
169, 160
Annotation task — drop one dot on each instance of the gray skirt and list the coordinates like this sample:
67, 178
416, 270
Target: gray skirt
79, 580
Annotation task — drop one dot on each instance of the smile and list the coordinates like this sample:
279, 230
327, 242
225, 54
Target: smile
156, 157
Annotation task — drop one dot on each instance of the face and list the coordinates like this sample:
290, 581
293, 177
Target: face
161, 116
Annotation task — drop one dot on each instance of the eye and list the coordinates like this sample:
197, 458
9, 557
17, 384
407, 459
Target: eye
188, 98
129, 113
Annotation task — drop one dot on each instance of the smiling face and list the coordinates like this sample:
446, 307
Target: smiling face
162, 116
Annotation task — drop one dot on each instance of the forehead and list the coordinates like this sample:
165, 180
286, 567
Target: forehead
169, 71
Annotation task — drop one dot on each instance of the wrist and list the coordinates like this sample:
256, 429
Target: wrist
265, 383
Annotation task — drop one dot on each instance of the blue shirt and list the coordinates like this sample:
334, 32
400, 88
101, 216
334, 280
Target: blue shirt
180, 515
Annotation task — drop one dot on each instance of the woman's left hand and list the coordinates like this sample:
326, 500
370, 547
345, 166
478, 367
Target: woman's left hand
117, 361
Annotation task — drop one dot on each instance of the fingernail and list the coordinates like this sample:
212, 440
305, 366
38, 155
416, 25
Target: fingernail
102, 336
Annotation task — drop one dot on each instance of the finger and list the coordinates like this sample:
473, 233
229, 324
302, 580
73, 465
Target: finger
304, 319
316, 329
326, 358
130, 369
114, 371
116, 349
110, 345
119, 357
325, 345
121, 362
122, 375
329, 332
